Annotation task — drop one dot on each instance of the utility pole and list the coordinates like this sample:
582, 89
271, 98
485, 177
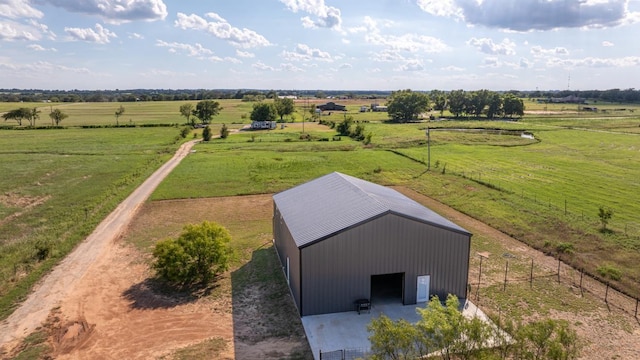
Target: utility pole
428, 149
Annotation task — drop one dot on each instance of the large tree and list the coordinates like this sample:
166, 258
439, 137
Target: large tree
439, 100
457, 101
512, 106
206, 109
284, 106
186, 110
57, 116
264, 112
407, 105
494, 107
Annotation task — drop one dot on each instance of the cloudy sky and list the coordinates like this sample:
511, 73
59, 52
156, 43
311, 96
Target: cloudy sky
320, 44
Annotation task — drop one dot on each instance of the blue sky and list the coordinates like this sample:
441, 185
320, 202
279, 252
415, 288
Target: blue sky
320, 44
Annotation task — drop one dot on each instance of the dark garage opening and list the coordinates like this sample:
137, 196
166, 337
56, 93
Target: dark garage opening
387, 288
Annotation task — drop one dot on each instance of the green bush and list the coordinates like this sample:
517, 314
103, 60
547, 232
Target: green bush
199, 254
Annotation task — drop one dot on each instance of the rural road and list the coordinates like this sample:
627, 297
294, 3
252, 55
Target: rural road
54, 287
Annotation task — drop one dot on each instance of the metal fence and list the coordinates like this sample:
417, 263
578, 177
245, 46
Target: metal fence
344, 354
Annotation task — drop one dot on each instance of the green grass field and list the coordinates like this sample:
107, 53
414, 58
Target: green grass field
58, 184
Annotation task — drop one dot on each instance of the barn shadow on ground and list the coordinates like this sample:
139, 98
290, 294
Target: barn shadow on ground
152, 293
266, 324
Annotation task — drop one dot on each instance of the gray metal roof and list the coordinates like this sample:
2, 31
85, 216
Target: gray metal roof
334, 202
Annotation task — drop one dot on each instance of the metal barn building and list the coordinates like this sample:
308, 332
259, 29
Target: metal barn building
341, 239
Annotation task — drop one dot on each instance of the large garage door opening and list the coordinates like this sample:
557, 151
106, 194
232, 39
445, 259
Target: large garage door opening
387, 288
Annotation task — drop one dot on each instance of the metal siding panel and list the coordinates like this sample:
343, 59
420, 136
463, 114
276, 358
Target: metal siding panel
286, 247
338, 270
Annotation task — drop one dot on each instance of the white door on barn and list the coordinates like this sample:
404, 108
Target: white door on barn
422, 295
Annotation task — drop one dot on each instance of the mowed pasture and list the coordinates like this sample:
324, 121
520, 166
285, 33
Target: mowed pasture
58, 184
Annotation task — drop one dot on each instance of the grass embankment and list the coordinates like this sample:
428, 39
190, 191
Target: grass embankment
57, 185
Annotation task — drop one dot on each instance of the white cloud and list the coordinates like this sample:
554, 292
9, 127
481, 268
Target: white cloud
136, 36
451, 68
303, 52
539, 51
411, 65
116, 11
245, 54
607, 44
290, 67
593, 62
262, 66
325, 16
345, 66
43, 29
100, 35
446, 8
17, 9
527, 15
36, 47
408, 42
487, 46
221, 29
196, 50
10, 31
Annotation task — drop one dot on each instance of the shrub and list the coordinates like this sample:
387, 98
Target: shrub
224, 131
199, 254
609, 271
206, 133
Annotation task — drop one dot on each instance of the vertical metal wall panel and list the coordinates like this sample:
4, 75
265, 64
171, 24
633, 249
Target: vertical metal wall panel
337, 270
286, 247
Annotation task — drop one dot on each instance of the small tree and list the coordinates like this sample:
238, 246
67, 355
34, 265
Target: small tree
18, 115
186, 110
224, 131
605, 215
32, 115
119, 113
57, 116
284, 107
344, 127
206, 133
199, 254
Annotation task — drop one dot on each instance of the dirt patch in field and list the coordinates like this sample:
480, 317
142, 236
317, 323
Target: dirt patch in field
24, 203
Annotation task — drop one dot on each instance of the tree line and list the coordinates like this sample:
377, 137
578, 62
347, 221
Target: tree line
408, 105
131, 95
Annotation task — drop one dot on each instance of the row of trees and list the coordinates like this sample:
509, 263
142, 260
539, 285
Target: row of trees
33, 114
445, 332
408, 105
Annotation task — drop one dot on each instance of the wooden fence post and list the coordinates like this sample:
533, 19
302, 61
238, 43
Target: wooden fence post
606, 294
531, 275
581, 275
558, 267
506, 268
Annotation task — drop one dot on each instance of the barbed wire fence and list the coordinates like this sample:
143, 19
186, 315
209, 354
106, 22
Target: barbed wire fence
502, 271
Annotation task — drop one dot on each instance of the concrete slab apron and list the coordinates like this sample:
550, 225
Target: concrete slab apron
348, 330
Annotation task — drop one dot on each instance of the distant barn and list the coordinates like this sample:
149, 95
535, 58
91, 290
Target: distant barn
331, 106
341, 239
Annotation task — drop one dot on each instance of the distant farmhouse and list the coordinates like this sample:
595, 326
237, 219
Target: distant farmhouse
263, 125
343, 241
376, 107
331, 106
